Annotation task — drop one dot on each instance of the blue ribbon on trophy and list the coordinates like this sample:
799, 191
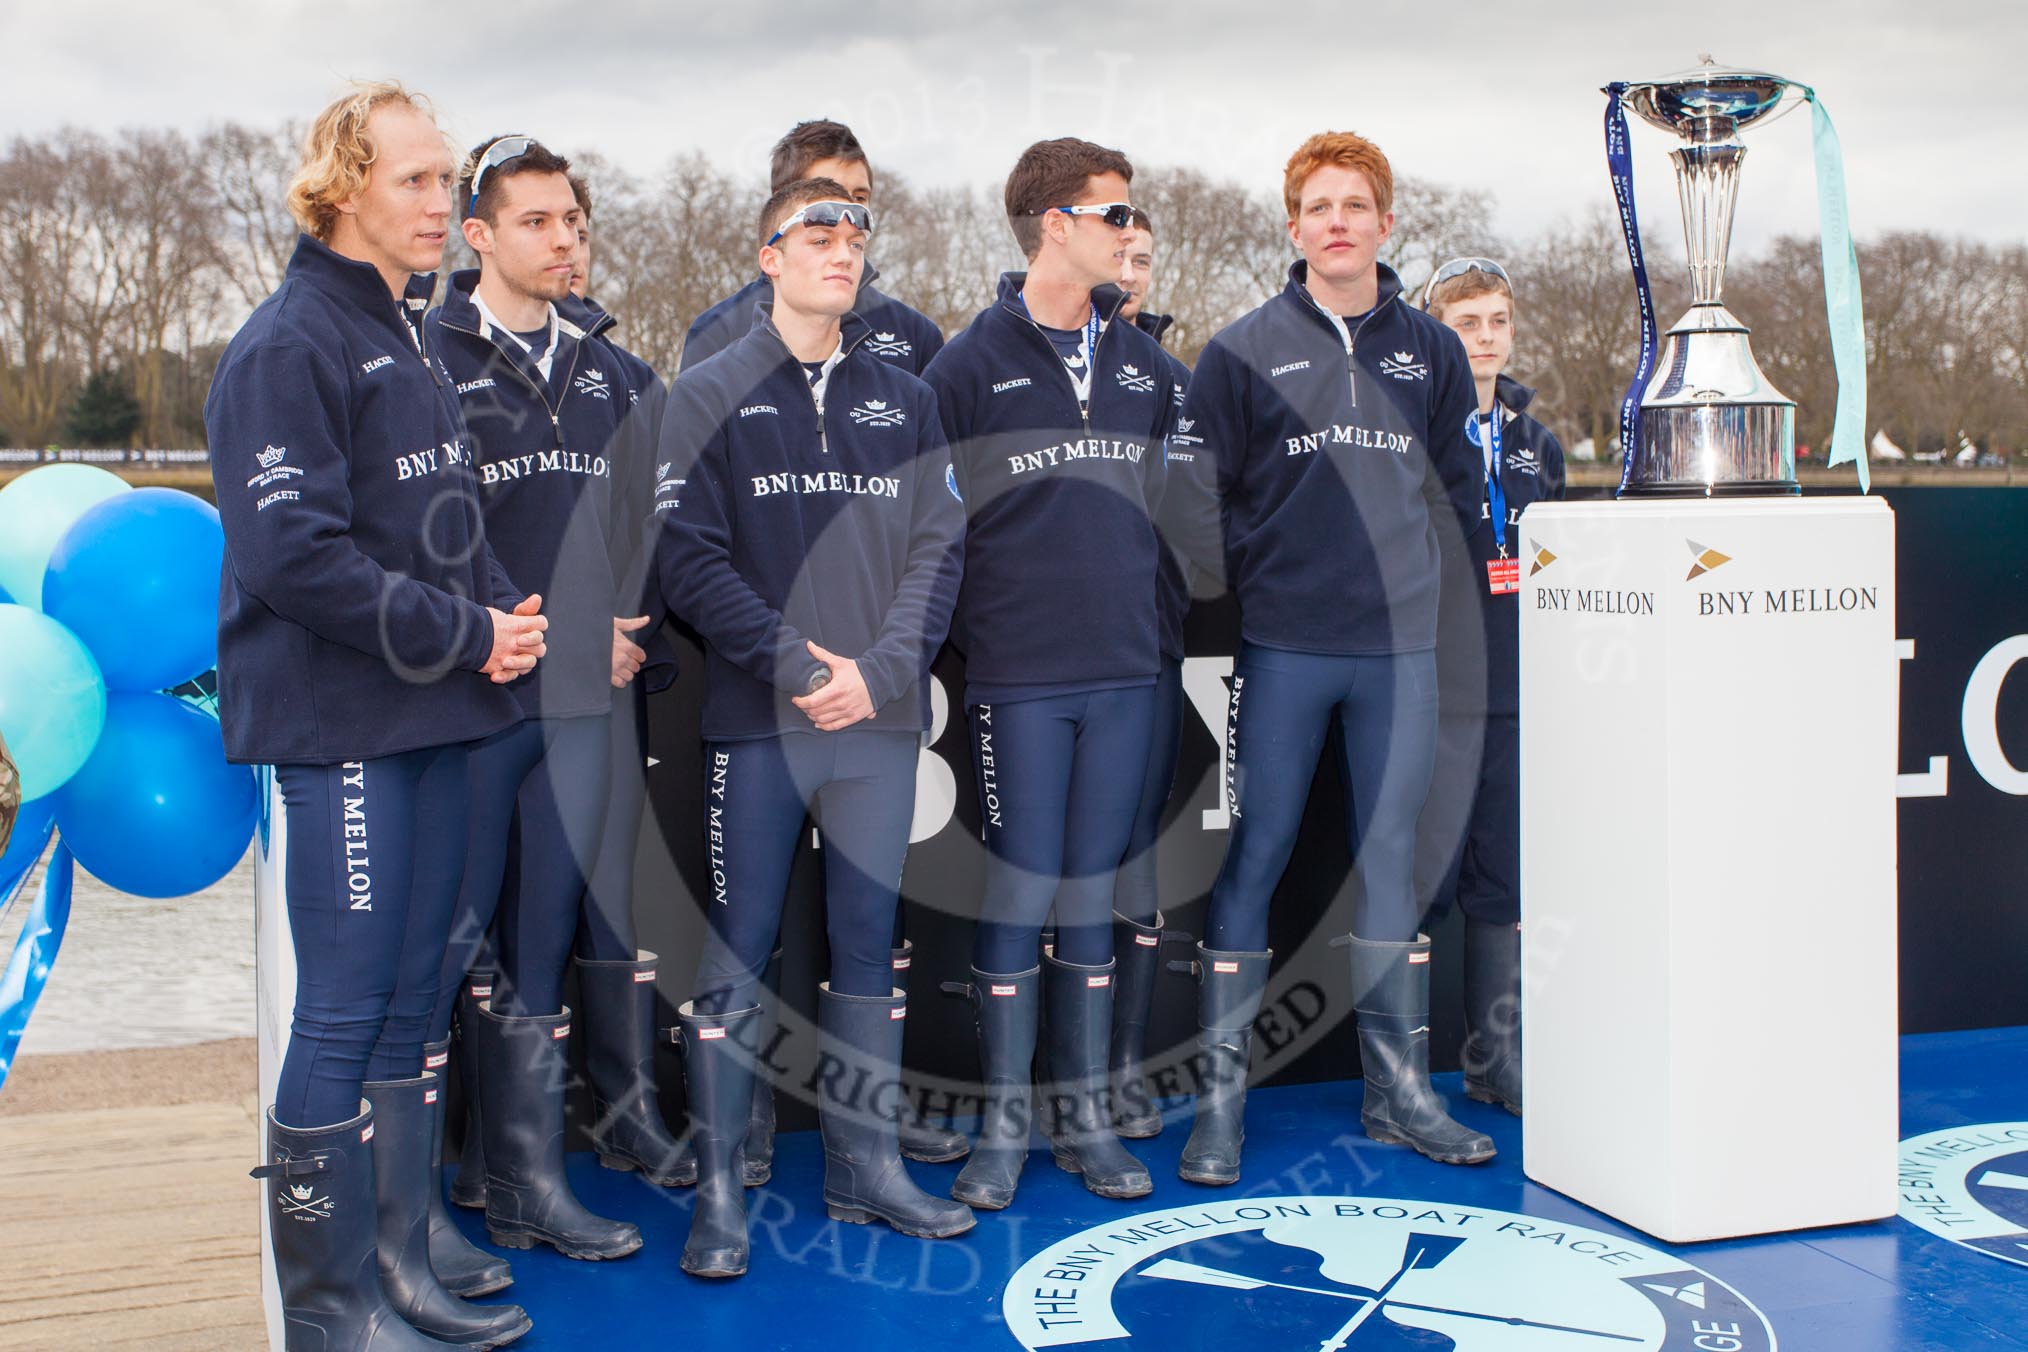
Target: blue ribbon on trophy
1620, 160
1711, 423
1841, 293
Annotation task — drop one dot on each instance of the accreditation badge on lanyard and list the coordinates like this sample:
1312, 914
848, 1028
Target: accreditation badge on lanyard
1503, 575
1080, 366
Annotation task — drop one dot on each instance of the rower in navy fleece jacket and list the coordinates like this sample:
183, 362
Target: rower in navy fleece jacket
554, 455
1472, 848
1057, 620
781, 527
896, 334
353, 628
1336, 454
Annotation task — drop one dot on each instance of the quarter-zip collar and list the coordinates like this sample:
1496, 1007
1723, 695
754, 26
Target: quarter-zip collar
1106, 296
852, 330
1154, 325
361, 284
1511, 394
460, 311
1298, 291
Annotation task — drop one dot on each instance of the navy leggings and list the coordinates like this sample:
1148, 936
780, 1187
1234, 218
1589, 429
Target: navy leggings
374, 854
538, 797
1281, 710
1470, 850
605, 924
1060, 780
1135, 894
859, 787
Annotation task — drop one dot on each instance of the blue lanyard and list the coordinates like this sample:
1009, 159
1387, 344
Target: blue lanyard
1496, 492
1620, 161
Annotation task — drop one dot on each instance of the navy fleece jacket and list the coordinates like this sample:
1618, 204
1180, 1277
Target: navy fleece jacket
1060, 549
1338, 463
352, 616
781, 526
554, 457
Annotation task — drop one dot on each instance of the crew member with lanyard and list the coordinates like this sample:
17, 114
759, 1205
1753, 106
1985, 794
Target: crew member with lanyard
365, 635
548, 405
812, 534
1469, 845
1328, 425
1057, 416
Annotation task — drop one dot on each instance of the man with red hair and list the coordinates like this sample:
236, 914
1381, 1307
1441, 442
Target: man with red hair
1329, 427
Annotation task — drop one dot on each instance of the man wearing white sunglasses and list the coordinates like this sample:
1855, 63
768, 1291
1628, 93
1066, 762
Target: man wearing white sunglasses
810, 532
1057, 415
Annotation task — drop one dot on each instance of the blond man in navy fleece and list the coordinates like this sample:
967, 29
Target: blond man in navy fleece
365, 634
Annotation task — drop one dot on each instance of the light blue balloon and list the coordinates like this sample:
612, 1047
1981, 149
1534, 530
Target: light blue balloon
31, 833
35, 510
157, 811
136, 578
52, 701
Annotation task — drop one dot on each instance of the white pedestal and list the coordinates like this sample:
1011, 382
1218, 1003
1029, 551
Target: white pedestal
1708, 861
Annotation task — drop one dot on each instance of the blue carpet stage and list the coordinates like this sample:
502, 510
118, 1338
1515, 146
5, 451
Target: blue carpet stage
1332, 1241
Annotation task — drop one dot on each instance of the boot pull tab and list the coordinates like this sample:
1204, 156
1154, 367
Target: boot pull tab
1176, 936
961, 990
1183, 967
293, 1168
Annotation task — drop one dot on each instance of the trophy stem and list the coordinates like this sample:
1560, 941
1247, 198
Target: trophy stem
1707, 181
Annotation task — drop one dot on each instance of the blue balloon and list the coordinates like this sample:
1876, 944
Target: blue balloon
157, 811
36, 508
52, 701
136, 578
31, 833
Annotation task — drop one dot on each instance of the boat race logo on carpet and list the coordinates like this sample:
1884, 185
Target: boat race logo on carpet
1366, 1273
1970, 1185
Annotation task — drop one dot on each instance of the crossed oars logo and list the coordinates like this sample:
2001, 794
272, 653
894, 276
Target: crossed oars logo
1421, 1253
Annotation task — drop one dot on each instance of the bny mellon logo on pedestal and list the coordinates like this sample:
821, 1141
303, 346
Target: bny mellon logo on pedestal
1704, 560
1543, 558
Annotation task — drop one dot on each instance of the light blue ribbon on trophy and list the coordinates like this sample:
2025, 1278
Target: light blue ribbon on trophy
1620, 161
34, 952
1842, 301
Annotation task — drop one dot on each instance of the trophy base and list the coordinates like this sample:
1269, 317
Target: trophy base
1714, 447
1771, 488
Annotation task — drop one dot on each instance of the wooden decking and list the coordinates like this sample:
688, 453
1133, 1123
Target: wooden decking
126, 1216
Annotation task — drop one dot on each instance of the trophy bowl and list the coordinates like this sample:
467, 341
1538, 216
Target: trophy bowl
1712, 423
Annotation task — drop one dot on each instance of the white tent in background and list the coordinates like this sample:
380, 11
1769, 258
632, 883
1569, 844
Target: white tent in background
1883, 449
1968, 454
1584, 450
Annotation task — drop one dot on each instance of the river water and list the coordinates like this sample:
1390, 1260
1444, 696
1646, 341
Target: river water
134, 972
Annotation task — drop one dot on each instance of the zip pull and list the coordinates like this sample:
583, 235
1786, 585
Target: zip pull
1352, 374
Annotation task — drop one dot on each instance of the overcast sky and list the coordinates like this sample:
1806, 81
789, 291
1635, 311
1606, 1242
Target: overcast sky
1928, 98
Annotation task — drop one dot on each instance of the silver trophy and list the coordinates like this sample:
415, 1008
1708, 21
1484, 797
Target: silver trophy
1712, 424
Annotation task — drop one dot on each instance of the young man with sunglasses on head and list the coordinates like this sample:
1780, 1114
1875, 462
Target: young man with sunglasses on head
812, 534
1057, 413
898, 334
550, 408
1327, 428
1137, 915
1470, 834
365, 636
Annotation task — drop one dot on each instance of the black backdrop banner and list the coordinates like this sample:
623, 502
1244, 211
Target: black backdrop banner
1963, 622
